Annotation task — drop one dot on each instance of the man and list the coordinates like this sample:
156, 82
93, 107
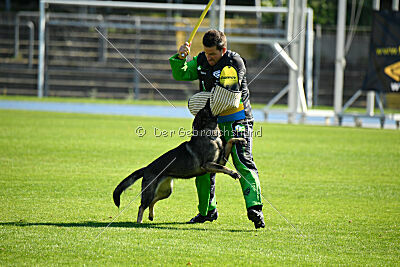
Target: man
217, 66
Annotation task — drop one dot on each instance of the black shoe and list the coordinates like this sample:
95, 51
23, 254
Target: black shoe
256, 215
212, 215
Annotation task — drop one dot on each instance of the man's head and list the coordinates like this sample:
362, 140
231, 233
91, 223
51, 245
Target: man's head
214, 43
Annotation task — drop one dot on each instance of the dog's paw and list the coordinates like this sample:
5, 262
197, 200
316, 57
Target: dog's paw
235, 175
242, 141
151, 218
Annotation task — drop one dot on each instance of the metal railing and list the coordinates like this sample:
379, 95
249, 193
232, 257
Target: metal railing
17, 24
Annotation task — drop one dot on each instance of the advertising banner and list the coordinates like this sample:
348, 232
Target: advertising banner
384, 56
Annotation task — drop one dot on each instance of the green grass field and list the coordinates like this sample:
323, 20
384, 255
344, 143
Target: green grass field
339, 186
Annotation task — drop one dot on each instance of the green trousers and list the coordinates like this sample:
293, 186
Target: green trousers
242, 159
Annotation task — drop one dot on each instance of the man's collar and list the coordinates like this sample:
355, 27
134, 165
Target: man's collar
221, 59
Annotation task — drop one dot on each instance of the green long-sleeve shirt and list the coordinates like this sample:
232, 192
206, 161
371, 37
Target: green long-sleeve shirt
183, 70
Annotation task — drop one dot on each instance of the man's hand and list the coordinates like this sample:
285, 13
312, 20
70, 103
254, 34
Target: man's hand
184, 50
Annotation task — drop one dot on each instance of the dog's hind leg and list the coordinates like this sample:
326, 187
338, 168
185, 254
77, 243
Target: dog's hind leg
163, 190
228, 148
149, 184
140, 214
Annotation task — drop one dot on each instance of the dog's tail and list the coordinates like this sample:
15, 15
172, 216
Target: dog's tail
127, 182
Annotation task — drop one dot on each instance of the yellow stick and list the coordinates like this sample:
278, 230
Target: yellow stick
200, 21
198, 24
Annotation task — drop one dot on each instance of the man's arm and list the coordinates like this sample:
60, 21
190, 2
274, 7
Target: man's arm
241, 68
182, 70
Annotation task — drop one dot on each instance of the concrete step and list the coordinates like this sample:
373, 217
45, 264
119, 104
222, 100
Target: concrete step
92, 35
86, 74
68, 44
89, 84
88, 55
118, 64
144, 94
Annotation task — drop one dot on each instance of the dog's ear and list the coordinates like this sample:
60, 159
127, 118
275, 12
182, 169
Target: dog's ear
208, 104
207, 107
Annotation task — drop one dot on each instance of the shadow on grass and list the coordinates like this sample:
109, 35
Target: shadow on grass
93, 224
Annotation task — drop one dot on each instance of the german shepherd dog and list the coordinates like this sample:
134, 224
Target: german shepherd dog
205, 152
